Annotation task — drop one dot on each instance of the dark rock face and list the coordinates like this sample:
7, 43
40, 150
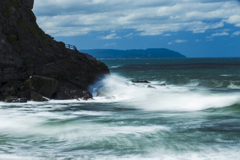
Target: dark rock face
44, 86
11, 99
86, 98
40, 89
25, 50
28, 3
25, 94
37, 97
70, 92
141, 81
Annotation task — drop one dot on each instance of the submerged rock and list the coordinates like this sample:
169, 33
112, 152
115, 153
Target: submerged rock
141, 81
149, 86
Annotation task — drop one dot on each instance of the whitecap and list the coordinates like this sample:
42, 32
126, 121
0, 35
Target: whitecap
226, 75
163, 98
233, 86
113, 67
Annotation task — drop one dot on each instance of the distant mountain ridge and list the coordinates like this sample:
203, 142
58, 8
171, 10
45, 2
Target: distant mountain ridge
134, 53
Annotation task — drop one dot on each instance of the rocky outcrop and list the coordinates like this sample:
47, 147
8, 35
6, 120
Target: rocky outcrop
40, 89
25, 51
11, 99
42, 85
28, 3
38, 97
140, 81
71, 92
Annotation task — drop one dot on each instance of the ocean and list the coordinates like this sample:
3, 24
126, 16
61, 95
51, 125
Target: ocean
190, 110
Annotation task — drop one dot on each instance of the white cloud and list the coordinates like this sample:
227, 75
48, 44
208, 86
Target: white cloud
111, 36
235, 19
167, 35
237, 33
218, 34
128, 35
178, 41
152, 17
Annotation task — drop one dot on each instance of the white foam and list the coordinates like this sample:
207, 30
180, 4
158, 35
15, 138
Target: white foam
159, 154
134, 129
226, 75
162, 98
115, 66
91, 113
233, 86
194, 82
15, 157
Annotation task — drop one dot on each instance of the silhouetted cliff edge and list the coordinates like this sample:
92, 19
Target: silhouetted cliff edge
33, 64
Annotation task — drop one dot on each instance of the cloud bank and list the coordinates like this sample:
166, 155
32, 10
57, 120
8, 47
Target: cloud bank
152, 17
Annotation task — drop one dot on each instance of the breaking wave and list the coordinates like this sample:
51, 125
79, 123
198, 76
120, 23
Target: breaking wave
156, 96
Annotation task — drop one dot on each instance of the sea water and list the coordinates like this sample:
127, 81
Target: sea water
190, 110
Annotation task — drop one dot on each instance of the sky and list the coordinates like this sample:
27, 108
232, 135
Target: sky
195, 28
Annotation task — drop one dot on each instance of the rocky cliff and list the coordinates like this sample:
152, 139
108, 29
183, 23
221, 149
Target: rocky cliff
25, 51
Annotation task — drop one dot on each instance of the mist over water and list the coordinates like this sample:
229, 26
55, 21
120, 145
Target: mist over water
195, 115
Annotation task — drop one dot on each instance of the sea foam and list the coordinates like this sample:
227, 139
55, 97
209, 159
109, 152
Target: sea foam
170, 97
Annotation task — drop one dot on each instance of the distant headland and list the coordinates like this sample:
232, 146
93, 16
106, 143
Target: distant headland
133, 53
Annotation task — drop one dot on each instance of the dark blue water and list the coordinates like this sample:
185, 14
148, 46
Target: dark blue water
209, 72
194, 116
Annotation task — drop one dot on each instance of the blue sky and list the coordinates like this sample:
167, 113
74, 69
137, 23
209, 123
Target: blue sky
195, 28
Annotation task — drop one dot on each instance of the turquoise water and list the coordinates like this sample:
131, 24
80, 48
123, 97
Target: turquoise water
194, 116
